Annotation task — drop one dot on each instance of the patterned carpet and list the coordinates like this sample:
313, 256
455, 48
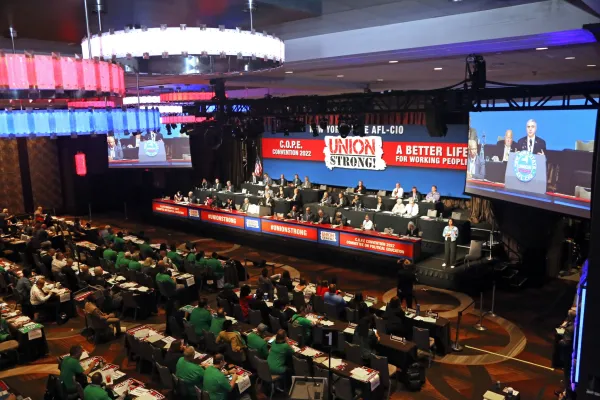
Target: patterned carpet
524, 329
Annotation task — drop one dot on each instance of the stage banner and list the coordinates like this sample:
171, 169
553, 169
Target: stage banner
170, 209
295, 231
329, 237
226, 219
253, 224
375, 245
194, 213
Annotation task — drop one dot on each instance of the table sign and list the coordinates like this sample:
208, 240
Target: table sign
397, 338
34, 334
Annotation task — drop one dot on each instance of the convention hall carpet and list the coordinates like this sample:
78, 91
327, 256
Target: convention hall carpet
523, 330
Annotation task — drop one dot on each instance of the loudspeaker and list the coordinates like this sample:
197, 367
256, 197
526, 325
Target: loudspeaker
435, 121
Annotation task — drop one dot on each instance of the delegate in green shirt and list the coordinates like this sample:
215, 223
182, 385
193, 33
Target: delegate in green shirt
109, 254
216, 326
135, 265
216, 267
175, 257
164, 278
259, 344
279, 357
95, 392
119, 243
68, 369
192, 374
191, 257
201, 320
146, 249
305, 323
4, 332
216, 384
123, 263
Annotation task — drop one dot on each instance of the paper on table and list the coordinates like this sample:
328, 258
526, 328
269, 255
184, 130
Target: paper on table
199, 355
233, 320
369, 303
383, 308
269, 304
349, 330
189, 281
309, 352
560, 331
335, 362
169, 339
142, 333
139, 391
143, 289
425, 319
154, 338
65, 297
360, 373
243, 383
326, 323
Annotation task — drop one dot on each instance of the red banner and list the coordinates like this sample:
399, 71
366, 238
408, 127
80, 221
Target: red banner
376, 245
169, 209
395, 153
296, 231
233, 220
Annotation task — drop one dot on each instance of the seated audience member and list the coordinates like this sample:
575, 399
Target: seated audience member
71, 370
189, 372
200, 261
281, 193
342, 201
360, 188
296, 197
173, 355
96, 391
398, 207
322, 288
333, 298
191, 256
308, 216
148, 266
91, 309
245, 299
306, 184
367, 224
201, 318
134, 264
71, 278
411, 209
47, 259
356, 202
4, 330
412, 230
228, 294
122, 263
258, 304
322, 218
286, 280
414, 194
229, 187
325, 200
257, 342
23, 287
215, 382
41, 301
339, 219
294, 213
299, 319
356, 302
164, 278
398, 192
297, 181
433, 196
300, 286
394, 317
216, 325
280, 355
192, 198
58, 262
204, 184
366, 336
98, 278
282, 312
264, 280
233, 338
119, 242
216, 267
84, 274
110, 254
245, 205
174, 256
380, 206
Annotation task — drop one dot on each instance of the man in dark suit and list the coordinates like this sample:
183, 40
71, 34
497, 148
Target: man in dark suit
406, 281
322, 218
308, 216
532, 143
267, 180
115, 152
229, 187
342, 201
156, 136
360, 188
267, 201
47, 258
414, 194
282, 181
204, 184
192, 198
297, 181
505, 147
218, 186
294, 214
475, 164
339, 219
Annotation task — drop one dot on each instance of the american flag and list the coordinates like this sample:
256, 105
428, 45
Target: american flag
257, 167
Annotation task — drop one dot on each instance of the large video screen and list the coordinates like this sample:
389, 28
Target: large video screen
148, 150
538, 158
386, 155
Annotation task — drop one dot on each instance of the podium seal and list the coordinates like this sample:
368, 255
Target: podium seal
525, 166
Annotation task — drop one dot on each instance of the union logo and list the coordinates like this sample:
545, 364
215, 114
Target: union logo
525, 166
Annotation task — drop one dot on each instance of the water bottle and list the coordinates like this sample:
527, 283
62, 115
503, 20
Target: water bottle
498, 386
418, 311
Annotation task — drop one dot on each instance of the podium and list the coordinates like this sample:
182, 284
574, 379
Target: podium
526, 173
258, 211
152, 152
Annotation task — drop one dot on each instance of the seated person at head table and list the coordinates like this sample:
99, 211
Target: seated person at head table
398, 192
208, 201
342, 201
367, 224
326, 199
267, 179
297, 181
339, 219
228, 204
398, 207
192, 198
475, 163
360, 188
132, 141
155, 136
356, 202
245, 205
218, 186
433, 196
255, 178
282, 181
229, 187
297, 197
505, 147
380, 206
411, 209
306, 184
532, 143
204, 184
294, 213
281, 193
414, 194
267, 201
215, 202
322, 218
267, 190
115, 152
411, 230
308, 216
178, 196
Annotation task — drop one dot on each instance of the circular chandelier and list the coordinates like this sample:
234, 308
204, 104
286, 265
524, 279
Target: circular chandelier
188, 50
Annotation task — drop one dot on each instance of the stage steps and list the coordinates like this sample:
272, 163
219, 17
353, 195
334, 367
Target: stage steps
510, 275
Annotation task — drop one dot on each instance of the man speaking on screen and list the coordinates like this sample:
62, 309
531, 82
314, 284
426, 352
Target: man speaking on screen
115, 152
475, 163
532, 143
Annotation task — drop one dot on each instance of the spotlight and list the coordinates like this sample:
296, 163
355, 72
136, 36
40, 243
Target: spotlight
315, 129
344, 129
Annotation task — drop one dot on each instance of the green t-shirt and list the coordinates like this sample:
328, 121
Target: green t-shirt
165, 279
190, 373
216, 267
145, 248
200, 263
135, 265
119, 243
175, 257
305, 323
109, 254
94, 392
123, 263
216, 325
4, 332
216, 384
191, 257
257, 343
279, 357
68, 369
201, 319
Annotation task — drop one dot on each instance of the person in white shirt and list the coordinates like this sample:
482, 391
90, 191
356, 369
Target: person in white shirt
178, 197
450, 234
367, 224
58, 262
398, 192
42, 301
433, 196
268, 191
398, 207
412, 209
306, 184
326, 200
